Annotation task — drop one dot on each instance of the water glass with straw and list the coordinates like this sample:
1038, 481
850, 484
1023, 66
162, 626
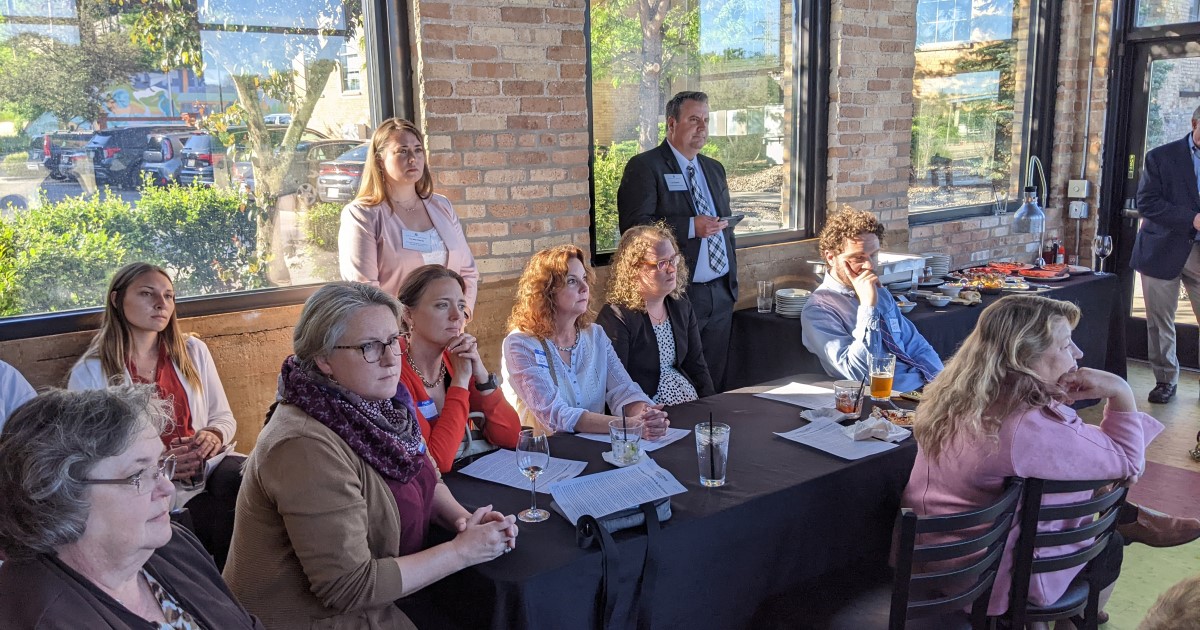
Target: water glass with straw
712, 452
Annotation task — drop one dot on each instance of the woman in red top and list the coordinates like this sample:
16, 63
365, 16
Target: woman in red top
442, 369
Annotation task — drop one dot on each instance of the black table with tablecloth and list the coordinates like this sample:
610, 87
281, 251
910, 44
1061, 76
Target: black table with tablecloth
767, 346
787, 516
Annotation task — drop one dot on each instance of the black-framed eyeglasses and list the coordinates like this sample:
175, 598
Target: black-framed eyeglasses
372, 351
164, 468
662, 265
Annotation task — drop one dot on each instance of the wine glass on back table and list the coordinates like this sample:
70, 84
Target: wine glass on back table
1102, 246
533, 455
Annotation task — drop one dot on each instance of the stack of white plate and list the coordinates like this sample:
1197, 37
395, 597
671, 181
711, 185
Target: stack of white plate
790, 302
937, 262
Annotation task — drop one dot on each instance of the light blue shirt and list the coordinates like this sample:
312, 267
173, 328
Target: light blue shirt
703, 272
842, 333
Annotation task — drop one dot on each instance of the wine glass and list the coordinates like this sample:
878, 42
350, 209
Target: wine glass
533, 455
1102, 247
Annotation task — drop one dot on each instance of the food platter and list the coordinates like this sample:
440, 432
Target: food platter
1044, 275
898, 417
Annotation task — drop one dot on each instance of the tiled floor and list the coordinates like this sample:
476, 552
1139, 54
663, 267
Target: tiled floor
1171, 484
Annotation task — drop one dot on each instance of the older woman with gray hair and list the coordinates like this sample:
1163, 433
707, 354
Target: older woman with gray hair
85, 520
340, 491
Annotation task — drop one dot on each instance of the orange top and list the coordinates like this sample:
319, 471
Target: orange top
445, 433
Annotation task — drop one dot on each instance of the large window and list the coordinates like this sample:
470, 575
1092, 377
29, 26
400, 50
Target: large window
741, 54
969, 129
191, 139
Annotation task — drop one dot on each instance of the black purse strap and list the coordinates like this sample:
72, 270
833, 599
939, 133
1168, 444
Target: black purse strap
649, 567
590, 532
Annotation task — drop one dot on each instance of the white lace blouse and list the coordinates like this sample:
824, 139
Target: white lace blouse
594, 377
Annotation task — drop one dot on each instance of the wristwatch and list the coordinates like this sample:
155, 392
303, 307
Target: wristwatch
487, 385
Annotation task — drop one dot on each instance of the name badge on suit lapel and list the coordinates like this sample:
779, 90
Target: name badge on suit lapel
675, 182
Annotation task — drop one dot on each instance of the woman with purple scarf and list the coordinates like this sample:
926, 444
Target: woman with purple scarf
340, 491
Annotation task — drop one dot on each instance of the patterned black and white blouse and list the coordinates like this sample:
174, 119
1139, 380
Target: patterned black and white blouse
673, 387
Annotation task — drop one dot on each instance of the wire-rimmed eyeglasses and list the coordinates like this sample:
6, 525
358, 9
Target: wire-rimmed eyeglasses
164, 468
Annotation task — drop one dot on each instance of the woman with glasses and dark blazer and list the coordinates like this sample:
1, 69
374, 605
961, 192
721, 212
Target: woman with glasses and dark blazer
650, 322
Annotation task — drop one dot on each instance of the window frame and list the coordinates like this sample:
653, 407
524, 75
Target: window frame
386, 29
808, 141
1039, 100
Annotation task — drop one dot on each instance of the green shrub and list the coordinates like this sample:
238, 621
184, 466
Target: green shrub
205, 235
609, 167
60, 255
321, 225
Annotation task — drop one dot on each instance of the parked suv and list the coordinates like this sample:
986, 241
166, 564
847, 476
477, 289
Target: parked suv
117, 153
337, 180
52, 146
163, 157
205, 158
301, 178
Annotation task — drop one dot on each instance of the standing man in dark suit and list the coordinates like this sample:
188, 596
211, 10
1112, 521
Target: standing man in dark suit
1167, 249
673, 183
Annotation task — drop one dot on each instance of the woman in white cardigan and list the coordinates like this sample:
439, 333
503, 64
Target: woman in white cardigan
397, 223
139, 341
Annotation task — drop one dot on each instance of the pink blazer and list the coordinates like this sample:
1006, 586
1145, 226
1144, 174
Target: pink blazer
1048, 443
370, 246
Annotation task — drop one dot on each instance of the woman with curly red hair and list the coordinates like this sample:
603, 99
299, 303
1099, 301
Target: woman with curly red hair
559, 369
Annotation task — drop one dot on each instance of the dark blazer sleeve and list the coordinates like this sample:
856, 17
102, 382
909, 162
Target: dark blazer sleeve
634, 343
643, 198
1163, 195
689, 351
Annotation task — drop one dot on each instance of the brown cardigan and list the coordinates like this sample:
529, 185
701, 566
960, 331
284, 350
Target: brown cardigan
317, 532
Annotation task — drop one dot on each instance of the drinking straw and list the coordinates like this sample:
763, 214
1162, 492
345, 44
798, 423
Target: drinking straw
712, 462
862, 384
624, 435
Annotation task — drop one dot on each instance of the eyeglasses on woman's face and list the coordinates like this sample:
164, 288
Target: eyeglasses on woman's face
372, 351
164, 468
663, 264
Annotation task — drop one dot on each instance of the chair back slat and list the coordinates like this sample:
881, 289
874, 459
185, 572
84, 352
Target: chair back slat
920, 590
965, 547
1105, 502
1078, 509
1068, 560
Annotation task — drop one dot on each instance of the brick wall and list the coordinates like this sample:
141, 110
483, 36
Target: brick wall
870, 110
503, 102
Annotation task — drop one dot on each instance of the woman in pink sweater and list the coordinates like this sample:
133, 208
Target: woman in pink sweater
1000, 409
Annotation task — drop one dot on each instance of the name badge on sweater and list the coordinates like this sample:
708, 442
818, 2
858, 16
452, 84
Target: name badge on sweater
893, 325
416, 241
675, 182
428, 409
539, 356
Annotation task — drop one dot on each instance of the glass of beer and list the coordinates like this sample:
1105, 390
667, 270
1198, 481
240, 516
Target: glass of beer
883, 368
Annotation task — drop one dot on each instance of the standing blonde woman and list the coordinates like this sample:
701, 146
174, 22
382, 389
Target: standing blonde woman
397, 223
559, 369
650, 323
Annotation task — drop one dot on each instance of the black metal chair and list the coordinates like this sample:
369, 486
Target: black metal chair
1081, 602
933, 583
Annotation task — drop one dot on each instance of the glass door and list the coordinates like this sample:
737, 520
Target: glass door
1165, 95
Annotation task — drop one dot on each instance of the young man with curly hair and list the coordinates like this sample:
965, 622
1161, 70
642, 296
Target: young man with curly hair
848, 318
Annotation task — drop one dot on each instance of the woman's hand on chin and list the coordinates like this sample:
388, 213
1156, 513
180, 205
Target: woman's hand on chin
1087, 384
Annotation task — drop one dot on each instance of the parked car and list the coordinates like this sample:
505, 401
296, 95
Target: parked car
301, 178
278, 119
117, 153
338, 180
71, 164
163, 157
205, 157
48, 149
